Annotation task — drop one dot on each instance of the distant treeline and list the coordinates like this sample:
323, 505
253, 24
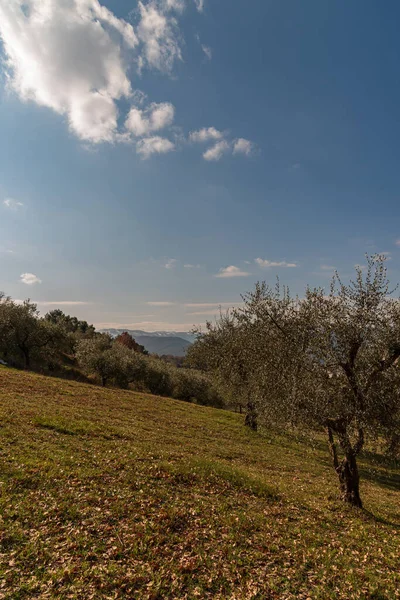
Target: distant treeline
65, 346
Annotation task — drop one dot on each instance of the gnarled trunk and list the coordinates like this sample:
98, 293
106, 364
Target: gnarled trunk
347, 469
349, 480
27, 358
251, 416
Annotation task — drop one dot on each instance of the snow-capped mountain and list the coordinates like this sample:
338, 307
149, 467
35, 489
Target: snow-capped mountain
174, 343
189, 337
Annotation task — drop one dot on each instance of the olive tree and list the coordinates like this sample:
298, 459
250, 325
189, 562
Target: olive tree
325, 362
108, 360
225, 349
25, 336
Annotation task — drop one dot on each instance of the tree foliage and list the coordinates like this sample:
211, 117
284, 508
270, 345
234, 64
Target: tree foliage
24, 337
322, 362
127, 340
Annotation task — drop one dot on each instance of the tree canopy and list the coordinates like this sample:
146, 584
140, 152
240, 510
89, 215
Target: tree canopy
321, 362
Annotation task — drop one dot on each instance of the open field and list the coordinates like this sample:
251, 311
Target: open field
113, 494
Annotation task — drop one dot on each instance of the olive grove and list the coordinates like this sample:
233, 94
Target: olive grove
323, 362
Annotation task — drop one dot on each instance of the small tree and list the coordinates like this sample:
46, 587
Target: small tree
125, 339
225, 349
109, 361
93, 355
322, 362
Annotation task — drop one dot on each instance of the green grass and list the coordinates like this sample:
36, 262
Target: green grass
113, 494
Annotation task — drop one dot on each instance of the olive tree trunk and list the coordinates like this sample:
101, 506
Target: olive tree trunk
349, 480
347, 469
251, 416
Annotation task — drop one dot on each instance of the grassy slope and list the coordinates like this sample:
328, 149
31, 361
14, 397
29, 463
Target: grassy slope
112, 494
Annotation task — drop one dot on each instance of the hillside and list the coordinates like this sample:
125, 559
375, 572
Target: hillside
113, 494
164, 345
159, 342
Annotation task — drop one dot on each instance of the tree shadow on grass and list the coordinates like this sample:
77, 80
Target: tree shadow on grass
387, 478
369, 516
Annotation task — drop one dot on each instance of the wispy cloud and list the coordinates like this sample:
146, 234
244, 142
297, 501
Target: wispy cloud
266, 264
159, 35
221, 145
209, 304
158, 303
171, 263
231, 271
199, 5
29, 279
203, 313
206, 134
153, 118
243, 146
148, 326
63, 303
217, 151
207, 51
327, 268
189, 266
154, 145
12, 204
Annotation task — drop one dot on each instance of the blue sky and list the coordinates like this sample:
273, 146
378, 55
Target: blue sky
158, 158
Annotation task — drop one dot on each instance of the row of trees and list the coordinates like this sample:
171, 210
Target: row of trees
65, 346
118, 362
318, 363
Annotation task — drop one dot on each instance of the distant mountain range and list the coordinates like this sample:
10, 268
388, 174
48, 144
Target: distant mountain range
174, 343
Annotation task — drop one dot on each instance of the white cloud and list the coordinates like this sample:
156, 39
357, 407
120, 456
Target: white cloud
210, 312
30, 279
171, 263
64, 303
12, 204
206, 134
161, 303
217, 151
231, 271
207, 51
242, 146
155, 117
154, 145
209, 304
74, 56
158, 33
65, 56
178, 5
265, 264
199, 5
222, 146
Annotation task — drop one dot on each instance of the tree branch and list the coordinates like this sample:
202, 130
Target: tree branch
384, 366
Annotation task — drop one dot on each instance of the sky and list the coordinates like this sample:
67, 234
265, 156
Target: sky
157, 158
